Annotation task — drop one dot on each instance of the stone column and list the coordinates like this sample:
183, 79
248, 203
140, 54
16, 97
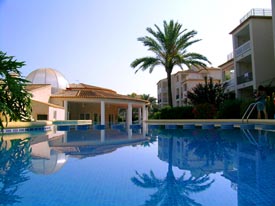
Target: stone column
139, 115
129, 115
102, 112
66, 109
102, 135
144, 112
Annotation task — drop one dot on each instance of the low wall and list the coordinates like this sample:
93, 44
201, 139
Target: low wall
11, 125
21, 127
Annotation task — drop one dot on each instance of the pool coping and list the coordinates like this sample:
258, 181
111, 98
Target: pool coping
22, 127
213, 121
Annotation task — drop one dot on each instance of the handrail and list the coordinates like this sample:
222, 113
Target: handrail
252, 106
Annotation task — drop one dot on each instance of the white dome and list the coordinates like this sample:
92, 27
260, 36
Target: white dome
49, 166
48, 76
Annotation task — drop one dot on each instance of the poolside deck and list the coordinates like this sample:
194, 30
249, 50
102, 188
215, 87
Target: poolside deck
217, 122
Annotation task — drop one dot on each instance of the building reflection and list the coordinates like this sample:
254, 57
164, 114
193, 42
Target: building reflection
46, 153
50, 151
254, 173
89, 143
244, 157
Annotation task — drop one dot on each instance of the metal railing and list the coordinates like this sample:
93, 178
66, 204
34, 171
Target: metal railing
257, 12
250, 109
246, 77
242, 49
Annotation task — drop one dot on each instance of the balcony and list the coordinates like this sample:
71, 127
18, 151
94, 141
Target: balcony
246, 77
162, 90
242, 49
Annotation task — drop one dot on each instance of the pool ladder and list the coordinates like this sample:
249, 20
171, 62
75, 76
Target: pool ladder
250, 110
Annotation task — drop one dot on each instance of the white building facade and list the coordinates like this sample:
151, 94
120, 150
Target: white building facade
182, 82
253, 49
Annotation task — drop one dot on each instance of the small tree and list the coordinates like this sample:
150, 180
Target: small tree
15, 102
207, 93
206, 98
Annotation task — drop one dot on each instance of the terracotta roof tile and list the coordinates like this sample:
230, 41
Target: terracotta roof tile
31, 87
88, 91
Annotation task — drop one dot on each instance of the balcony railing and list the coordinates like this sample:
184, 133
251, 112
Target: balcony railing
242, 49
257, 12
246, 77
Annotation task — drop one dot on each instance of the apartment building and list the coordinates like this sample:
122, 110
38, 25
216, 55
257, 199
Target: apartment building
228, 74
253, 49
182, 82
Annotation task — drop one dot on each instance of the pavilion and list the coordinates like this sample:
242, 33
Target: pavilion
54, 98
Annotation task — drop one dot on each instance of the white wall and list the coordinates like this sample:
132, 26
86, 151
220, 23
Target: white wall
42, 94
58, 112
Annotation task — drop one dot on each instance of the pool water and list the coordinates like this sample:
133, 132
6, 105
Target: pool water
114, 167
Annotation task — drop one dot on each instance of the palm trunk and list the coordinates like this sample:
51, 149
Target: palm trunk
170, 99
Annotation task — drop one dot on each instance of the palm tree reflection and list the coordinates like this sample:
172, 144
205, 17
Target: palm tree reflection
171, 190
14, 162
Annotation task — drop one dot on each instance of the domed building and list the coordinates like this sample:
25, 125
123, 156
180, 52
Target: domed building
49, 165
48, 76
54, 98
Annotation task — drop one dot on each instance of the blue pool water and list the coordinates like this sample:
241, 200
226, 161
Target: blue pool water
160, 166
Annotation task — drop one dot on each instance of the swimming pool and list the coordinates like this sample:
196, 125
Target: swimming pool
162, 166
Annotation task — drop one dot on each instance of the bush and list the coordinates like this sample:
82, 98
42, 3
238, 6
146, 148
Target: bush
205, 111
175, 113
243, 107
230, 109
270, 106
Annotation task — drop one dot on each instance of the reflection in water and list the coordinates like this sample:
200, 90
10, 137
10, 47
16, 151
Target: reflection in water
254, 173
245, 157
47, 153
15, 160
171, 190
89, 143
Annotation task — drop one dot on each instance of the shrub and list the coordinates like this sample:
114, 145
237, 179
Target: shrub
175, 113
204, 111
243, 107
230, 109
270, 106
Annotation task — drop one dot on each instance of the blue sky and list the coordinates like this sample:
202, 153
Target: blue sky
95, 41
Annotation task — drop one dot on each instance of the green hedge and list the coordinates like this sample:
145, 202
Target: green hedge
174, 113
230, 109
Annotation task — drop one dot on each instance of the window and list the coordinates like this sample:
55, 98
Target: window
95, 118
87, 116
42, 117
54, 114
84, 116
81, 117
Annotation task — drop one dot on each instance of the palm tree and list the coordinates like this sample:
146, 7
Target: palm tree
153, 107
170, 49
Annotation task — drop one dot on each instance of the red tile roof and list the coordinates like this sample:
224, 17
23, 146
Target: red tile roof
88, 91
